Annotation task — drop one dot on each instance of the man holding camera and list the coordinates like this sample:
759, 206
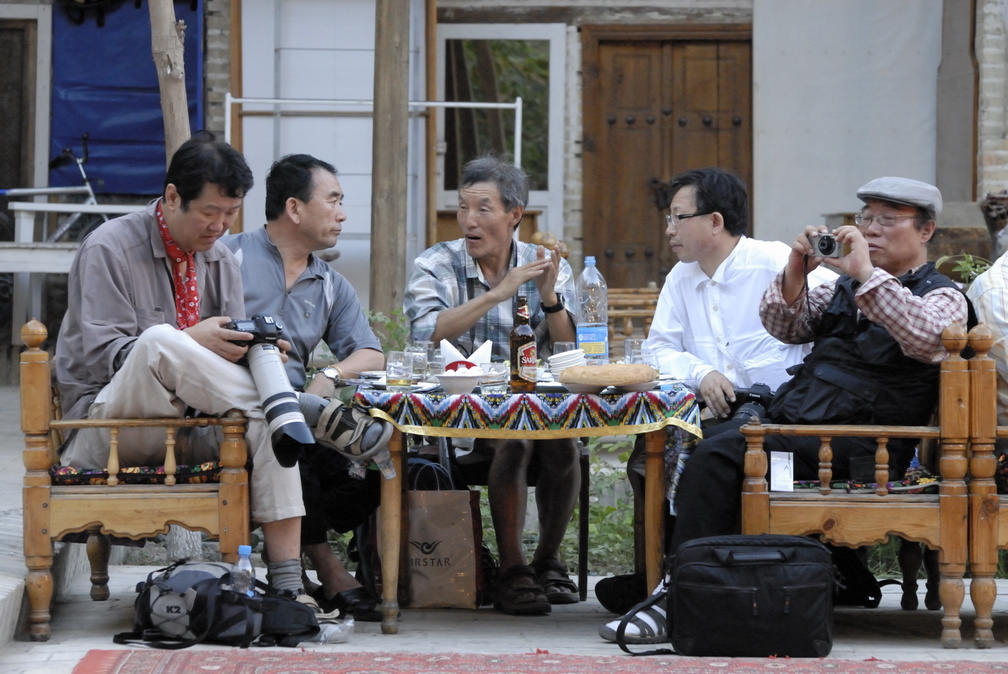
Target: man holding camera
876, 335
149, 297
282, 277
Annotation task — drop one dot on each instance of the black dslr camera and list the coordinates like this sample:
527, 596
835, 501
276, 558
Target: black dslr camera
264, 329
752, 402
288, 430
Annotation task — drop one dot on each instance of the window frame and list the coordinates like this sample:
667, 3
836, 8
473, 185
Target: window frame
549, 201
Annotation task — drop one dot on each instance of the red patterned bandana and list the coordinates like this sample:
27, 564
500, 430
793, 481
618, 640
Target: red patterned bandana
187, 304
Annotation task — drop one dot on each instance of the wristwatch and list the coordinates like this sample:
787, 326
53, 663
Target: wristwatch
554, 308
332, 372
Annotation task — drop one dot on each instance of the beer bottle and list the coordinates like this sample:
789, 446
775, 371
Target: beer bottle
523, 351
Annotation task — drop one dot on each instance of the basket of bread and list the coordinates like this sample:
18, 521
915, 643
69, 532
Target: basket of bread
622, 376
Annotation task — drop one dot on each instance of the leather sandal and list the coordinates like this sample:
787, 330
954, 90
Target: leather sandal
526, 598
556, 584
358, 602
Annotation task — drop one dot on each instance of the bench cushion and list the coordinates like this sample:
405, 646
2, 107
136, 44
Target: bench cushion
184, 474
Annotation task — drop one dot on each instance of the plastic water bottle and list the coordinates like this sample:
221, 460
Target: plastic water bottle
243, 573
591, 311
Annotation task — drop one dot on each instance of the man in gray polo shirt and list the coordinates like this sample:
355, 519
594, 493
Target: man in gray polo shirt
284, 279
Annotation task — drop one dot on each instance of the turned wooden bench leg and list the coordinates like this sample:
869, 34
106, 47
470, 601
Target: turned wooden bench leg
99, 550
39, 589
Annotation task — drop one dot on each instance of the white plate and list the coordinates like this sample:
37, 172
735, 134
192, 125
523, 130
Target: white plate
637, 388
373, 374
584, 388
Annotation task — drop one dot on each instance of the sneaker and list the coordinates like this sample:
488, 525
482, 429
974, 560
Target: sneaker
321, 616
645, 626
352, 432
619, 594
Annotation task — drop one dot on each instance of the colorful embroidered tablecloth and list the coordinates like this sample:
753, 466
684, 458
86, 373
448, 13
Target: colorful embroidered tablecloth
545, 414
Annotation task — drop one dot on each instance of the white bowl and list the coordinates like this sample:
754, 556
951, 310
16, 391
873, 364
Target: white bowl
567, 357
456, 384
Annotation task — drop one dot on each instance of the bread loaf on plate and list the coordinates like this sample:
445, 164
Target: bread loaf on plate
613, 374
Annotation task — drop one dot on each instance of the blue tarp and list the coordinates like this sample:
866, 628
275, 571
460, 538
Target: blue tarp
104, 84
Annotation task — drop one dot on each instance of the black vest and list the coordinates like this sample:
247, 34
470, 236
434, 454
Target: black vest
857, 372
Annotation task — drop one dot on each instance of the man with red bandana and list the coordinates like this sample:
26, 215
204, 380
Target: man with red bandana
149, 297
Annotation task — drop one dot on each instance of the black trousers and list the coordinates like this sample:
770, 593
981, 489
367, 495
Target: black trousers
333, 499
709, 499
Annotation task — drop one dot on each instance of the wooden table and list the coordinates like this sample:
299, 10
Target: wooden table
533, 416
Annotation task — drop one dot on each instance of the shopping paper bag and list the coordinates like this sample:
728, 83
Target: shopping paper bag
444, 541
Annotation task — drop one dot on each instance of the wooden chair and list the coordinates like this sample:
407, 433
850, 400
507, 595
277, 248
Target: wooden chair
988, 531
113, 504
860, 519
631, 311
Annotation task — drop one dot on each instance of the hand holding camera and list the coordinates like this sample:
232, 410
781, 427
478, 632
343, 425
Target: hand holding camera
288, 430
825, 244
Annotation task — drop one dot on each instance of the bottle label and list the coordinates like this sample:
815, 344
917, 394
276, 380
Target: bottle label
527, 361
593, 339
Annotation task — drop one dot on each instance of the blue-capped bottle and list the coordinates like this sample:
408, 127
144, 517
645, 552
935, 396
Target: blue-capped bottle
591, 313
243, 573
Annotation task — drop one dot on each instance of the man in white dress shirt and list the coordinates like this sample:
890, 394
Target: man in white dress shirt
707, 330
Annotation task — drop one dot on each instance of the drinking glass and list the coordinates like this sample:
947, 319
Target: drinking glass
418, 352
398, 371
495, 378
560, 347
630, 349
435, 366
645, 356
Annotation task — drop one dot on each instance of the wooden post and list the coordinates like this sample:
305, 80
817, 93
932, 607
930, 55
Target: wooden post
388, 182
167, 48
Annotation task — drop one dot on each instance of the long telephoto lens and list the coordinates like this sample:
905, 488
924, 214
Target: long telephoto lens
288, 430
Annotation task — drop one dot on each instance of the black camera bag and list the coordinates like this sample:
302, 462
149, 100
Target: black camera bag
752, 596
188, 603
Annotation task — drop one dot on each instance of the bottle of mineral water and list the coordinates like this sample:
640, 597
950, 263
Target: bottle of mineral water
243, 573
591, 311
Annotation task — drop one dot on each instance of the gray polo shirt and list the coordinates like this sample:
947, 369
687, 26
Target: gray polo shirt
322, 305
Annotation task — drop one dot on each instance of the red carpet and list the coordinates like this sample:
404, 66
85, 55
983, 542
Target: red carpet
328, 661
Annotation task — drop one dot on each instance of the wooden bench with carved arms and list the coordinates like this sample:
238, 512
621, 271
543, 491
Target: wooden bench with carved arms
132, 503
988, 509
631, 311
937, 520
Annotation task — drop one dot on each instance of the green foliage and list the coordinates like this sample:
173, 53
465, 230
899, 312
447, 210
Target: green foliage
610, 527
393, 331
966, 266
502, 70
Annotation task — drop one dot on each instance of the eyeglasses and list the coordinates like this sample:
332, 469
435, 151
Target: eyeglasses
674, 218
882, 220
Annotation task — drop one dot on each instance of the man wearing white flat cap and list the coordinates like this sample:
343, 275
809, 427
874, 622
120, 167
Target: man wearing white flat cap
876, 334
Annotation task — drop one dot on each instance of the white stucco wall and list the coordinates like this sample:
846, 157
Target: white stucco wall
839, 99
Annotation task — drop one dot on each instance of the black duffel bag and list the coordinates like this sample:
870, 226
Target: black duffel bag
750, 596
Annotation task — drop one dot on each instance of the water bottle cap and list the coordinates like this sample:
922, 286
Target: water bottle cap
244, 549
589, 259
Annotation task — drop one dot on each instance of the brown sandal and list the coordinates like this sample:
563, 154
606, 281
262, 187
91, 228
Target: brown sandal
517, 598
556, 584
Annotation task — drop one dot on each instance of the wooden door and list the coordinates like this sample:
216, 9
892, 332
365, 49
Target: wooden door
656, 104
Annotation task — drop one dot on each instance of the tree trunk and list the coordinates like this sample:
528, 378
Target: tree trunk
388, 174
167, 47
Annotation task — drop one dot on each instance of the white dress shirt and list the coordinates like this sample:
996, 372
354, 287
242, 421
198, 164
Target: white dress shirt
703, 324
989, 294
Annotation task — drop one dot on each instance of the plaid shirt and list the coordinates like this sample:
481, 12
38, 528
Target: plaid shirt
916, 323
445, 276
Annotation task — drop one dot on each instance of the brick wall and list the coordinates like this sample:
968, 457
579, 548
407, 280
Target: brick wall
217, 64
992, 58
